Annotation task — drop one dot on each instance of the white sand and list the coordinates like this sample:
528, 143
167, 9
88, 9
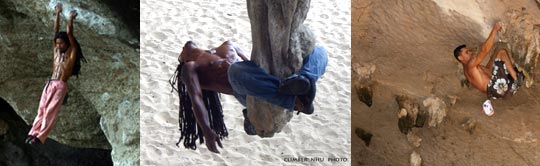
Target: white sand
167, 25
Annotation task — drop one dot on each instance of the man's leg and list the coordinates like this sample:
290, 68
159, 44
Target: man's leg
45, 98
313, 68
314, 65
503, 55
491, 61
52, 108
247, 78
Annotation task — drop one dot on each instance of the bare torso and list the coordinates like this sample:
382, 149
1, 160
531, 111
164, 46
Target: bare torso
207, 69
212, 68
478, 76
63, 64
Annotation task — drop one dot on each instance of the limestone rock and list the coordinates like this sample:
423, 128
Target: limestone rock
469, 125
280, 42
405, 124
421, 118
408, 114
364, 135
363, 83
4, 127
416, 159
521, 37
103, 106
365, 93
414, 139
13, 150
451, 99
462, 80
436, 109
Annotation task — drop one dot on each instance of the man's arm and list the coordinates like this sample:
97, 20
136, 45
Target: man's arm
486, 47
58, 10
73, 45
190, 78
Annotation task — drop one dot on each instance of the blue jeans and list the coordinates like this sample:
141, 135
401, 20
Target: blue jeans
247, 78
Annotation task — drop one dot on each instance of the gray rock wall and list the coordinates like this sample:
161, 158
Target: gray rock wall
103, 105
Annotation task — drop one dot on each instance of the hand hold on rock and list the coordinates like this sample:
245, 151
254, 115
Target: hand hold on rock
416, 160
365, 94
408, 114
437, 110
469, 125
363, 83
364, 135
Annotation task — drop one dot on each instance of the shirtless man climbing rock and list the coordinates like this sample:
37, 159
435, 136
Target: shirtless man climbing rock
66, 62
498, 78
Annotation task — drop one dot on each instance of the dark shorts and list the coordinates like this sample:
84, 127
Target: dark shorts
501, 83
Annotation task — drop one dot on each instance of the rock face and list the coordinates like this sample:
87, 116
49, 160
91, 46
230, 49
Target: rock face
469, 125
414, 139
522, 38
411, 43
280, 42
436, 109
364, 135
415, 160
3, 127
363, 83
410, 115
13, 151
103, 106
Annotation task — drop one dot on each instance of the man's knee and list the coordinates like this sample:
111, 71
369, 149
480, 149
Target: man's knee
320, 54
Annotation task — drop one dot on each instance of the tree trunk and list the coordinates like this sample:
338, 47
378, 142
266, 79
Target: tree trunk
280, 42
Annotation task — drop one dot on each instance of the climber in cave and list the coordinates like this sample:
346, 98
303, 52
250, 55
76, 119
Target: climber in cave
498, 78
67, 56
204, 73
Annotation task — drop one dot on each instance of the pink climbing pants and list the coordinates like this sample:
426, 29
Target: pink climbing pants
49, 105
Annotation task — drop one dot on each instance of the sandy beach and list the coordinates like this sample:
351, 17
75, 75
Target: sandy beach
167, 25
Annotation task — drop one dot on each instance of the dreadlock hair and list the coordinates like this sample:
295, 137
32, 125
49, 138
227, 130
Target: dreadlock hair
80, 57
190, 131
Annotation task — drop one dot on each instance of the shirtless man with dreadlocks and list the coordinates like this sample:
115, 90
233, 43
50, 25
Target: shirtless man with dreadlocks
203, 73
66, 53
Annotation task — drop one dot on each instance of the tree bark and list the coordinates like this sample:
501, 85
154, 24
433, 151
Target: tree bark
280, 42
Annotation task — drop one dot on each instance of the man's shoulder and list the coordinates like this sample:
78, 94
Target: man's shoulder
72, 51
471, 69
472, 63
